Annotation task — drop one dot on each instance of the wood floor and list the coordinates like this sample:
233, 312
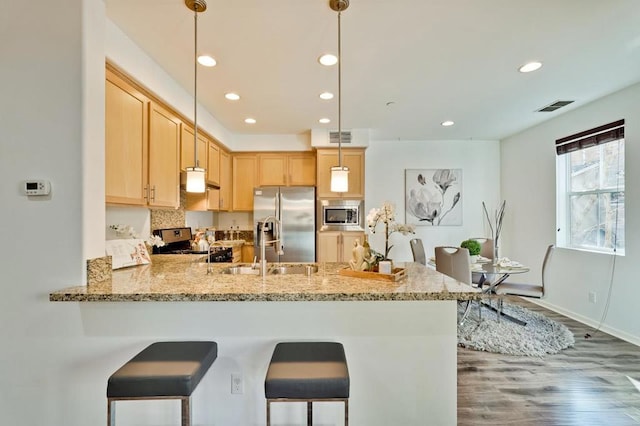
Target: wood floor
583, 385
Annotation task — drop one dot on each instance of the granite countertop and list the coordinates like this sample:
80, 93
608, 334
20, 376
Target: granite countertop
177, 278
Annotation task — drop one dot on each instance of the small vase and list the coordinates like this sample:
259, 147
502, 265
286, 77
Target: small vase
496, 255
385, 266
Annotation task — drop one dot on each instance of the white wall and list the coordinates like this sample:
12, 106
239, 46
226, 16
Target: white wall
385, 164
528, 185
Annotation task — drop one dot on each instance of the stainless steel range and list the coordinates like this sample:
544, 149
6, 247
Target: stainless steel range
178, 241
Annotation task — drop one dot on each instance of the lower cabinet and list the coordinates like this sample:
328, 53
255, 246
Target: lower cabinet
334, 246
247, 253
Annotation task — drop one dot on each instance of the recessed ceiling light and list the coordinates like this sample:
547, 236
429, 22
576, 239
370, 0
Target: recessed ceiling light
326, 96
232, 96
447, 123
206, 61
328, 59
531, 66
250, 120
324, 121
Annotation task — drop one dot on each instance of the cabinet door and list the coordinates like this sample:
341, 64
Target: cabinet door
186, 149
328, 246
354, 160
247, 253
348, 241
245, 174
351, 158
301, 169
126, 142
213, 164
164, 144
213, 199
272, 169
225, 181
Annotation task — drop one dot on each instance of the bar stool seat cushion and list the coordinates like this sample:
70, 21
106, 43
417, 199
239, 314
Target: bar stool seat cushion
307, 370
163, 369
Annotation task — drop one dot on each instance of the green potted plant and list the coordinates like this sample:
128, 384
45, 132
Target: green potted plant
474, 249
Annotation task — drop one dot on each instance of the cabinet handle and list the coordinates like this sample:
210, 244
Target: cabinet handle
146, 193
153, 193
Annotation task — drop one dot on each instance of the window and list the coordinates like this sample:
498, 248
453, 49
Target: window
590, 189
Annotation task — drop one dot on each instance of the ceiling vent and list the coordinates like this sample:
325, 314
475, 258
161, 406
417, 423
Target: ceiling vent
346, 137
554, 106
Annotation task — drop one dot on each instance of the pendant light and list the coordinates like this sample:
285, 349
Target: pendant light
195, 174
339, 174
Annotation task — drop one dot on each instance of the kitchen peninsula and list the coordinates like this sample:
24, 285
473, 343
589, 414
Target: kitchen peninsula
400, 337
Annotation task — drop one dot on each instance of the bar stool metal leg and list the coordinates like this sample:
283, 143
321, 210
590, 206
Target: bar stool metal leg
309, 413
186, 411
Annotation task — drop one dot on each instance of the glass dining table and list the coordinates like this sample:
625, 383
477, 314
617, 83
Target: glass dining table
495, 274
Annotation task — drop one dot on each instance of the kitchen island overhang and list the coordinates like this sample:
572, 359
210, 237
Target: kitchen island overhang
184, 278
400, 337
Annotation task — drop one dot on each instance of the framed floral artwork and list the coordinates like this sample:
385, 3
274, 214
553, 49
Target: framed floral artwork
433, 197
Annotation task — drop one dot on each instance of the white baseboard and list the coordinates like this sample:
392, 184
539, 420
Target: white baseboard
610, 330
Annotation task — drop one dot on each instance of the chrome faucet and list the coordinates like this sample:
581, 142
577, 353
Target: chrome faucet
277, 238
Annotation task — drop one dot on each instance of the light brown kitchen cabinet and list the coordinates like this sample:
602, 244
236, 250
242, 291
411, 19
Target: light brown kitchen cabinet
248, 252
209, 201
126, 142
142, 141
353, 158
164, 157
245, 178
337, 246
186, 149
225, 181
213, 164
287, 169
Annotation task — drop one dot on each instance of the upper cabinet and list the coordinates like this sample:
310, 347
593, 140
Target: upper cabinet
142, 140
213, 164
287, 169
225, 181
353, 159
164, 157
245, 178
126, 142
187, 157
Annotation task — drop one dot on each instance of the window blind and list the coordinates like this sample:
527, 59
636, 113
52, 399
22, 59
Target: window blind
588, 138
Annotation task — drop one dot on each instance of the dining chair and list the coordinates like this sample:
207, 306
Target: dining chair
417, 248
456, 263
486, 246
486, 250
525, 290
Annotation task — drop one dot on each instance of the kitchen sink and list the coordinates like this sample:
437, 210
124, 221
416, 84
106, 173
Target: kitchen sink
293, 269
240, 270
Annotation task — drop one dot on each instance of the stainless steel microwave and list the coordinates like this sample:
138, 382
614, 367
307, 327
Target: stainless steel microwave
341, 215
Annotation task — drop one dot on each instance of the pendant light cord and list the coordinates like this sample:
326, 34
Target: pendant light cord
339, 93
195, 88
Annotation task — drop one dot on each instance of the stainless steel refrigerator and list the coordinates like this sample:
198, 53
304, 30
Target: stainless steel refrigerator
294, 206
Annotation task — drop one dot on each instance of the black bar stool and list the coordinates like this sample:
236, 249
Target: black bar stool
308, 372
163, 370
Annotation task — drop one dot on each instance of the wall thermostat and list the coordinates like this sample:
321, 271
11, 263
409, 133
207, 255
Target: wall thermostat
36, 187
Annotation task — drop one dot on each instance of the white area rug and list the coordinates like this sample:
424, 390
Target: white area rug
539, 337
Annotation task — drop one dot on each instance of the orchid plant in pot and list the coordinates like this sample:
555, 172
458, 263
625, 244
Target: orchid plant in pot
387, 216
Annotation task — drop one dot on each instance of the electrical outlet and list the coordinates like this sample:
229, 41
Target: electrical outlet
236, 383
592, 297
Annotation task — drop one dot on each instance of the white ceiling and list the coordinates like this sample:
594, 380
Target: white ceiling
435, 60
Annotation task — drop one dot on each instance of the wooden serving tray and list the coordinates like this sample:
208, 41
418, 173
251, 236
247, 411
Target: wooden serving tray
396, 274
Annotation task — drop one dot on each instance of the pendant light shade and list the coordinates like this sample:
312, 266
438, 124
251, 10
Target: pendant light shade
195, 179
339, 174
339, 179
195, 174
